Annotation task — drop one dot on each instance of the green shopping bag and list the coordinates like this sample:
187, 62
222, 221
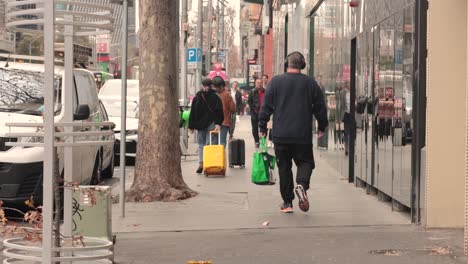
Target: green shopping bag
263, 165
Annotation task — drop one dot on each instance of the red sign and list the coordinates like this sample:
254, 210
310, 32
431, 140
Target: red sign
251, 61
103, 58
103, 43
103, 47
353, 3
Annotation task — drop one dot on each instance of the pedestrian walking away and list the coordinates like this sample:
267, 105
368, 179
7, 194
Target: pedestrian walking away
206, 115
255, 102
229, 107
293, 99
265, 79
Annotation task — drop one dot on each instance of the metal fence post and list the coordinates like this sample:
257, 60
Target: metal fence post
49, 129
68, 117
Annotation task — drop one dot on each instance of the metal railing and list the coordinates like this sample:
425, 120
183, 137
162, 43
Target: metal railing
97, 250
63, 135
49, 18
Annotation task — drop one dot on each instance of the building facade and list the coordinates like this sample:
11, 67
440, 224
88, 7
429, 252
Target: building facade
370, 58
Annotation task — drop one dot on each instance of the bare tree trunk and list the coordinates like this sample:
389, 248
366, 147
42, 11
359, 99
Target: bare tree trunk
158, 174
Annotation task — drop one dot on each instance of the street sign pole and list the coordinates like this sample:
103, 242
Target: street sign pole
199, 43
217, 30
227, 63
123, 114
184, 52
210, 22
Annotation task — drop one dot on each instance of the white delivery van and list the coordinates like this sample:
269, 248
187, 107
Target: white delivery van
22, 101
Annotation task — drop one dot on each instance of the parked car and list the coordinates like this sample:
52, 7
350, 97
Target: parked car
110, 96
108, 155
22, 100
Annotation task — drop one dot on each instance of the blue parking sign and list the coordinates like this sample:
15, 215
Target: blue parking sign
192, 55
199, 55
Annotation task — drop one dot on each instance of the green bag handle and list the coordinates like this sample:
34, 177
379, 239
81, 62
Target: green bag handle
263, 145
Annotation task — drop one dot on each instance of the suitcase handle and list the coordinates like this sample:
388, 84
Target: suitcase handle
219, 136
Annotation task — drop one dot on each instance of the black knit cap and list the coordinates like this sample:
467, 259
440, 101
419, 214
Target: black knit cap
206, 82
218, 81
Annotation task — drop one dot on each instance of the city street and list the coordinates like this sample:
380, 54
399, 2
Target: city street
90, 89
224, 223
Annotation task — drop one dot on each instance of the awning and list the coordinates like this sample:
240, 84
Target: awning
254, 1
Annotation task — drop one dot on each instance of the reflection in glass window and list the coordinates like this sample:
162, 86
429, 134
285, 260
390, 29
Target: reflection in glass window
23, 92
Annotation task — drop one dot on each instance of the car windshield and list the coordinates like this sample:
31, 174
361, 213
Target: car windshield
113, 108
23, 91
110, 96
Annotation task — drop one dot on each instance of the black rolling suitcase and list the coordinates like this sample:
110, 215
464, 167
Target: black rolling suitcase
237, 153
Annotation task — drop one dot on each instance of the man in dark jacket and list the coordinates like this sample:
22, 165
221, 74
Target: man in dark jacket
255, 102
293, 98
206, 114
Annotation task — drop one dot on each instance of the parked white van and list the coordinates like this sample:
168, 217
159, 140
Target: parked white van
22, 101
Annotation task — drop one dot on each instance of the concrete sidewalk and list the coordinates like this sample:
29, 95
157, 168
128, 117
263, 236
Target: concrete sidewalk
224, 223
234, 202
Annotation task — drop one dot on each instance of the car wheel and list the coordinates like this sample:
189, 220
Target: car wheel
130, 161
97, 171
108, 172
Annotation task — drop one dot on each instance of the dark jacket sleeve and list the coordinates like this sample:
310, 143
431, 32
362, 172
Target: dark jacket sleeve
193, 112
238, 98
250, 101
320, 108
218, 111
267, 109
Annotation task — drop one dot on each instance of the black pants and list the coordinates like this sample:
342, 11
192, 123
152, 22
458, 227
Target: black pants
303, 157
232, 128
254, 120
239, 109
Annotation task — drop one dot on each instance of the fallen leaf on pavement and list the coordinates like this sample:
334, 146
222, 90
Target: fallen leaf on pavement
440, 251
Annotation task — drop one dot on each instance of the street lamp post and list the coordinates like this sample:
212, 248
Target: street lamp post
123, 118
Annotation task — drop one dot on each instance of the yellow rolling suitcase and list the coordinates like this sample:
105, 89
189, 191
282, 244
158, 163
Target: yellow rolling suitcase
214, 158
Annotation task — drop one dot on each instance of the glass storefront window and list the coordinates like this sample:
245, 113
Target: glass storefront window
384, 78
